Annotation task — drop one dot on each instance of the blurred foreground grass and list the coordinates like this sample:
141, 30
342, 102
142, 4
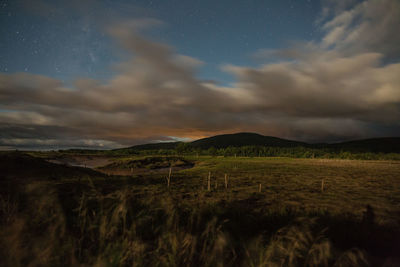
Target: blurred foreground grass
55, 215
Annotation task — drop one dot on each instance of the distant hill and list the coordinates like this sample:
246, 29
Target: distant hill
223, 141
152, 146
375, 145
244, 139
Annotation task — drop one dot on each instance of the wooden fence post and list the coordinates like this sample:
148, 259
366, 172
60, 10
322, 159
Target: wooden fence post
209, 181
169, 176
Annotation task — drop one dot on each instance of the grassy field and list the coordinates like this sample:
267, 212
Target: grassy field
271, 212
296, 183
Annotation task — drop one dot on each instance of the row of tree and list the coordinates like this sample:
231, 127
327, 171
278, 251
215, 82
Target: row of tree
264, 151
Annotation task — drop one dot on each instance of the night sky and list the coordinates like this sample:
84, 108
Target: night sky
117, 73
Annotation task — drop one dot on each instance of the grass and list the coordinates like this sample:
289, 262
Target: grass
81, 217
296, 183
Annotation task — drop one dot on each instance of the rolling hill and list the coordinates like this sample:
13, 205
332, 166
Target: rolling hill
151, 146
374, 145
223, 141
244, 139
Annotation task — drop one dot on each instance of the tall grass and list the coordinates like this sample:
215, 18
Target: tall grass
299, 245
124, 229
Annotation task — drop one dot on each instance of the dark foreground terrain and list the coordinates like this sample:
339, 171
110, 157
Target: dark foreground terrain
216, 212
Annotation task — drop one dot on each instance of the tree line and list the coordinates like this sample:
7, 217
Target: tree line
186, 149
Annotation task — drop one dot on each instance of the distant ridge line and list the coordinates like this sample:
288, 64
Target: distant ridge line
373, 145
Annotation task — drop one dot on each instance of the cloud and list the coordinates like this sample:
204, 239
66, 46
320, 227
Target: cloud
341, 87
348, 78
336, 86
368, 26
155, 93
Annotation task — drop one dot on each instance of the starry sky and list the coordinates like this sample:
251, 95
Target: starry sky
115, 73
64, 43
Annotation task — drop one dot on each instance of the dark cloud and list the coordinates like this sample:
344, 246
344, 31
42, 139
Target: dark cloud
339, 88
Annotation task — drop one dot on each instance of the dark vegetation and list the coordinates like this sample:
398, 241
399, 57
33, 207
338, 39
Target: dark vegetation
60, 215
374, 145
255, 145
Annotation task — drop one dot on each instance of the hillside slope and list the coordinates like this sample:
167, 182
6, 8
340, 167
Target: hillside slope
244, 139
151, 146
374, 145
24, 168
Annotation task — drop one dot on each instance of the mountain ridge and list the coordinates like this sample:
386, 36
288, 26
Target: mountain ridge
375, 145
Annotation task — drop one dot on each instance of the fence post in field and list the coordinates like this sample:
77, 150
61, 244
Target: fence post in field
259, 188
209, 181
169, 176
226, 181
322, 185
